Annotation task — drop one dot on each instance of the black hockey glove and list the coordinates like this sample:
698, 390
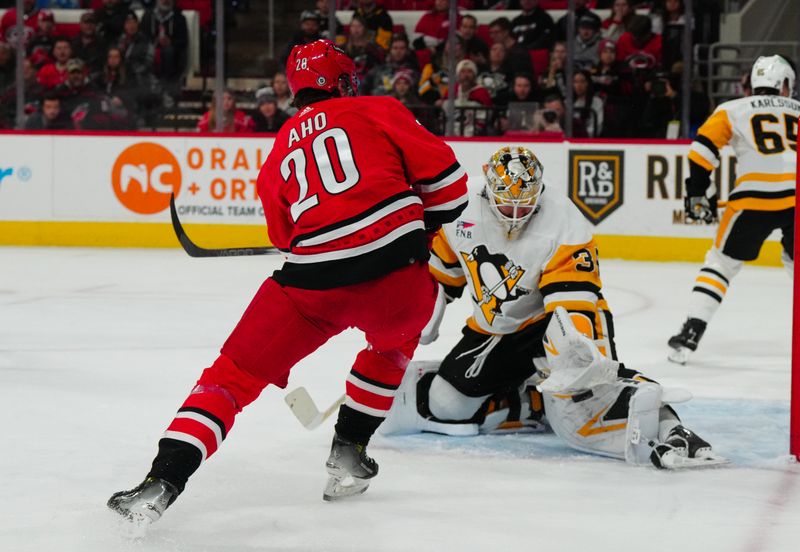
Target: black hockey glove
701, 208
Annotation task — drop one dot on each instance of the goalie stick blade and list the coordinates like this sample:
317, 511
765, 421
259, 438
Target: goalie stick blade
195, 250
306, 411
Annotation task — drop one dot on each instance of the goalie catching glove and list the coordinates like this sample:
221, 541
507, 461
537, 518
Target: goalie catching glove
575, 362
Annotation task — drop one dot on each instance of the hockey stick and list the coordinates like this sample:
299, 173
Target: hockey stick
195, 250
304, 409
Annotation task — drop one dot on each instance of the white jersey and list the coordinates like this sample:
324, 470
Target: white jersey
513, 283
762, 130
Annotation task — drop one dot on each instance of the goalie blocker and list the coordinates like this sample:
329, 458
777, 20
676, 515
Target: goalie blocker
594, 404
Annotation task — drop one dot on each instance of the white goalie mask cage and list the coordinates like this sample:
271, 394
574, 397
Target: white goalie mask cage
513, 186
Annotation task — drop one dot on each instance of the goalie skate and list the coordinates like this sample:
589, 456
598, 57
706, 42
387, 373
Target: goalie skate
684, 449
349, 470
145, 503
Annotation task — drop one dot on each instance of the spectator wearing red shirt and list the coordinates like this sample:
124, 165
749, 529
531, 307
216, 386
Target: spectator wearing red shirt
30, 19
469, 93
53, 74
639, 47
233, 120
433, 26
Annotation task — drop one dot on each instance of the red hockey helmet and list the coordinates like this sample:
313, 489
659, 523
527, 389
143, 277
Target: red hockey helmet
323, 66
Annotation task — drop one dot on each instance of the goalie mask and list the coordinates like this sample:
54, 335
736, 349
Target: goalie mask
513, 186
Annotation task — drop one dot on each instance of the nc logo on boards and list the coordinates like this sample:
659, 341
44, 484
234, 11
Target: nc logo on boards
144, 176
596, 182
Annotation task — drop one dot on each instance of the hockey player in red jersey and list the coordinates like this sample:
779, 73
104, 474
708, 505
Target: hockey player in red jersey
352, 191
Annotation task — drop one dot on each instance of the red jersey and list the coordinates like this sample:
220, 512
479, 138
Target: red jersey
241, 123
627, 47
351, 188
51, 76
8, 26
435, 25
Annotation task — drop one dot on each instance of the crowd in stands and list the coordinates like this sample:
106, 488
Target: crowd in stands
511, 74
111, 71
118, 70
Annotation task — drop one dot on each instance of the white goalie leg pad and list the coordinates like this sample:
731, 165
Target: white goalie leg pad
448, 403
404, 418
576, 364
643, 421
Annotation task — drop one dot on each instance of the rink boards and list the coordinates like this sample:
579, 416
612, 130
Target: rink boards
112, 190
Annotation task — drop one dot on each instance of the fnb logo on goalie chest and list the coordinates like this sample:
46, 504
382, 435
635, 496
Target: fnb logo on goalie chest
463, 229
596, 182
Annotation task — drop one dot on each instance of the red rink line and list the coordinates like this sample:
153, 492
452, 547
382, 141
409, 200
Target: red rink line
770, 515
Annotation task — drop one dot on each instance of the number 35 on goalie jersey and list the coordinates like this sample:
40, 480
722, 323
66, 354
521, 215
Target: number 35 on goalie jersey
350, 189
515, 283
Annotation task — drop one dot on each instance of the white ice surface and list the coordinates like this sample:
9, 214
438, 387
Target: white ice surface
99, 347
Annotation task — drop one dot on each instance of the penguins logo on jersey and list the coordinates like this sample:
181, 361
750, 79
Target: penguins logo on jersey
494, 280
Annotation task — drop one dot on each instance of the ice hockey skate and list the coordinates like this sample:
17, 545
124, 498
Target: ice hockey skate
349, 468
145, 503
685, 342
684, 449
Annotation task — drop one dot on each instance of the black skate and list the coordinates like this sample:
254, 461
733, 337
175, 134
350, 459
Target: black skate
684, 449
685, 343
350, 470
145, 503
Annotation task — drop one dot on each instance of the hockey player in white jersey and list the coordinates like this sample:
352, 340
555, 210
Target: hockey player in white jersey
762, 130
528, 258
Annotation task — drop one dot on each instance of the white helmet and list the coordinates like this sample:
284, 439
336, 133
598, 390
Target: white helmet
513, 185
772, 72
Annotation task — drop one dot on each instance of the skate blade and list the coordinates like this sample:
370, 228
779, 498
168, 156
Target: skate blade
518, 427
679, 355
340, 488
133, 525
673, 461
